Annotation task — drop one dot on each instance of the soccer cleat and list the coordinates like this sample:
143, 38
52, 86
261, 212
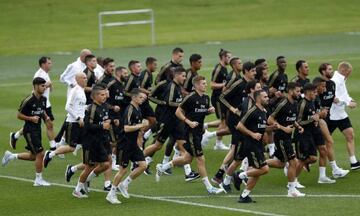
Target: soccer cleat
192, 176
221, 146
226, 188
68, 173
46, 158
12, 140
7, 158
168, 171
216, 180
295, 193
41, 182
326, 180
124, 191
147, 171
158, 172
112, 198
339, 173
214, 190
355, 166
246, 199
107, 188
79, 194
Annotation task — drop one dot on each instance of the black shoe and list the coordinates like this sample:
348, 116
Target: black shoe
237, 180
47, 158
52, 148
168, 171
355, 166
108, 188
192, 176
68, 173
12, 140
246, 199
217, 180
227, 188
147, 171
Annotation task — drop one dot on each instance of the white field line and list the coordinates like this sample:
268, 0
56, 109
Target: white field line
159, 199
265, 196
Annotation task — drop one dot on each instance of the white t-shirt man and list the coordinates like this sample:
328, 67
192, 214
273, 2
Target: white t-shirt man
68, 76
75, 104
43, 74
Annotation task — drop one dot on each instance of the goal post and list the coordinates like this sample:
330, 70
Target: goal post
150, 21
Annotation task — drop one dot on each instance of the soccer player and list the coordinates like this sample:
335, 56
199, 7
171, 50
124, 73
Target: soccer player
75, 107
338, 116
278, 79
234, 75
128, 148
32, 110
109, 66
96, 142
327, 98
90, 62
45, 64
253, 126
232, 98
176, 59
195, 65
218, 82
261, 62
302, 69
284, 116
192, 112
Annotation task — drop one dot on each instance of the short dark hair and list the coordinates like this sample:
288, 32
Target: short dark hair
223, 53
257, 93
150, 60
299, 64
43, 60
317, 81
177, 50
247, 66
197, 79
96, 88
259, 61
259, 72
233, 59
88, 58
292, 86
38, 81
323, 67
250, 85
279, 57
107, 61
309, 87
135, 92
178, 70
132, 63
120, 68
194, 58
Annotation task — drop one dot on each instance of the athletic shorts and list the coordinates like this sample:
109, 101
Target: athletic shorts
49, 113
174, 129
193, 143
73, 134
255, 153
240, 151
96, 153
33, 140
147, 110
341, 124
220, 109
284, 148
308, 142
124, 155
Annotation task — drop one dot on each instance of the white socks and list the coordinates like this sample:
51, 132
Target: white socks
207, 183
167, 166
147, 134
91, 176
17, 135
243, 175
126, 182
353, 159
52, 144
148, 160
52, 154
245, 193
333, 165
187, 169
79, 186
227, 179
322, 172
166, 159
73, 168
107, 183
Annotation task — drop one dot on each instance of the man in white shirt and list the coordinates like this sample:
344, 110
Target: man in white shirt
75, 107
68, 76
338, 116
43, 72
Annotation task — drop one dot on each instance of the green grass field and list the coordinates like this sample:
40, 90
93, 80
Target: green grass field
310, 30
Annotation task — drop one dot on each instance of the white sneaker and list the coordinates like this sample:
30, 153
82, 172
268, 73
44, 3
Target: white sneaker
41, 182
221, 146
79, 194
112, 198
339, 173
158, 172
124, 191
7, 158
214, 190
298, 185
326, 180
295, 193
205, 138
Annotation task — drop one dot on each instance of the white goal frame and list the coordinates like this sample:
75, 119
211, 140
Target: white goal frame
150, 21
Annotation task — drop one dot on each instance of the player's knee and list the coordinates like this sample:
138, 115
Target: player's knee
142, 165
265, 169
